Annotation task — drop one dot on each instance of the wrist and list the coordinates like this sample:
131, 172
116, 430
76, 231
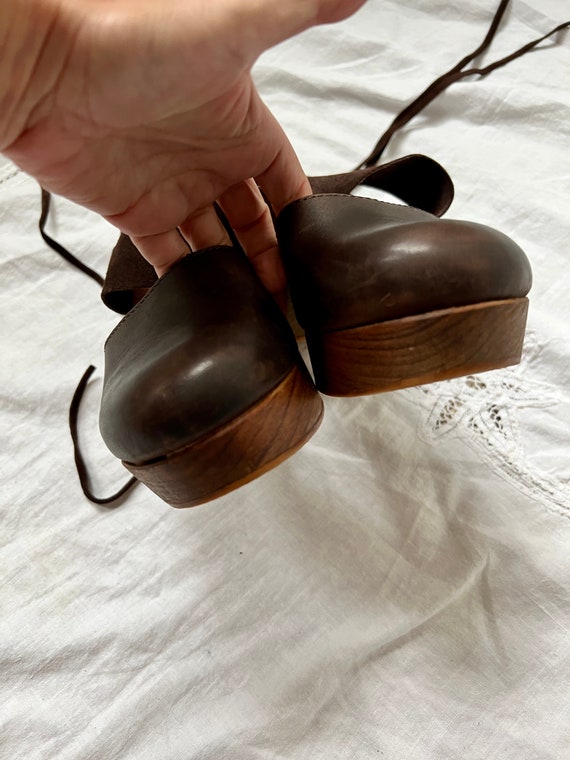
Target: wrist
35, 40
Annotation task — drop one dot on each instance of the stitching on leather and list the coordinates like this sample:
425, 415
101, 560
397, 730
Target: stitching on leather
357, 197
344, 195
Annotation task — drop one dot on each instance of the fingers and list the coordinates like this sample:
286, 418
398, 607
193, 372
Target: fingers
247, 212
250, 218
284, 180
204, 229
329, 11
201, 230
162, 251
281, 179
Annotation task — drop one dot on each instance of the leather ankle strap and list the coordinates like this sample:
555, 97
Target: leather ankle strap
417, 180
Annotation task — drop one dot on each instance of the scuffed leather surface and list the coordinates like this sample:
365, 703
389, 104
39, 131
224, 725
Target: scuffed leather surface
205, 344
355, 261
418, 180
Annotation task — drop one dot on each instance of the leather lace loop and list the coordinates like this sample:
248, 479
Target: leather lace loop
82, 472
454, 74
57, 247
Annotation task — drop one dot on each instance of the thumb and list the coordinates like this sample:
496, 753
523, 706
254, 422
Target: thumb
268, 22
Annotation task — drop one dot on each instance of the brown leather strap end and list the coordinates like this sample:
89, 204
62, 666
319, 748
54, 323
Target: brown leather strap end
417, 180
128, 273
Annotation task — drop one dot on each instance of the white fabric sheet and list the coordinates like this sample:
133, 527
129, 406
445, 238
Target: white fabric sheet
397, 589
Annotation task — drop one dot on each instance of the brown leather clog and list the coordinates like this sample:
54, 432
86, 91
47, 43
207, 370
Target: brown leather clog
390, 296
204, 387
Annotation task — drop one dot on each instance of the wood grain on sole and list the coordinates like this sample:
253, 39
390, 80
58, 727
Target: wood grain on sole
240, 451
421, 349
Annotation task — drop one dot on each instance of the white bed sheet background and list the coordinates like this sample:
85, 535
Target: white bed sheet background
397, 589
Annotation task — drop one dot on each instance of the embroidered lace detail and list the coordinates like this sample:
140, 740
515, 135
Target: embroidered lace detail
484, 410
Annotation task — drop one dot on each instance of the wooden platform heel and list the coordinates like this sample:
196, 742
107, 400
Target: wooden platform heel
253, 443
399, 353
204, 387
391, 296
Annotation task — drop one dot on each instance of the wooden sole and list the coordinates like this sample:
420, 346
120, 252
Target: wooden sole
421, 349
257, 441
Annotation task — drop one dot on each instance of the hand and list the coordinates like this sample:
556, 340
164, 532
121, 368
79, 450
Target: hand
146, 113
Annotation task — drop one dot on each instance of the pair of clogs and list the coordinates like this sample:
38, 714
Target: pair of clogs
204, 386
